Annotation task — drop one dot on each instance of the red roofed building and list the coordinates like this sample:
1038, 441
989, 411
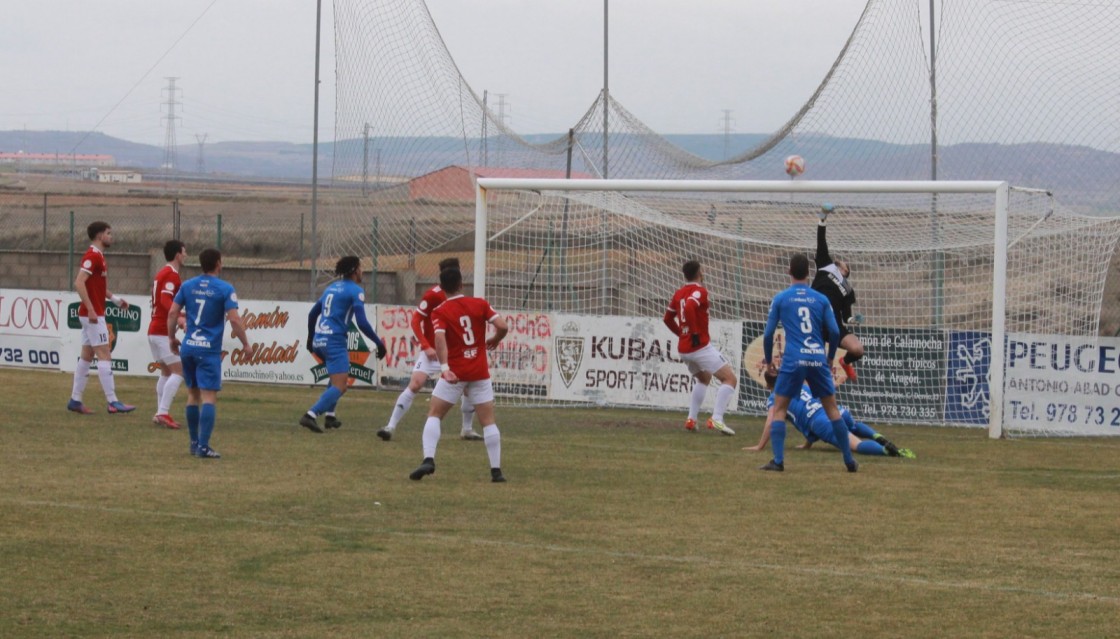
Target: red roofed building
454, 183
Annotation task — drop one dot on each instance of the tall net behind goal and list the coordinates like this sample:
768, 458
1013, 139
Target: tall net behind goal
925, 266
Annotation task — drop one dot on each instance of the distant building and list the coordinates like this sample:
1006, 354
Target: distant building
56, 159
122, 177
454, 183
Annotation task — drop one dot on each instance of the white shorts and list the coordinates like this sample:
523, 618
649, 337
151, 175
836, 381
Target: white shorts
705, 360
477, 392
94, 334
161, 349
427, 366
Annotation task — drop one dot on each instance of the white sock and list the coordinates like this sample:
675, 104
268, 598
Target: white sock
105, 374
404, 402
468, 414
160, 383
81, 376
699, 392
723, 397
493, 444
170, 387
431, 437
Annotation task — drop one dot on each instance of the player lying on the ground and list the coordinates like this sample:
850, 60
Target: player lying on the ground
809, 419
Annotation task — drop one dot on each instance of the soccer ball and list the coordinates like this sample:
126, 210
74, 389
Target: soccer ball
795, 165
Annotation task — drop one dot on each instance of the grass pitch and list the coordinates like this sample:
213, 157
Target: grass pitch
613, 524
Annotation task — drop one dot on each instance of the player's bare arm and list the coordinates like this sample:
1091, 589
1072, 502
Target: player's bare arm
119, 301
501, 329
441, 354
238, 328
172, 323
765, 438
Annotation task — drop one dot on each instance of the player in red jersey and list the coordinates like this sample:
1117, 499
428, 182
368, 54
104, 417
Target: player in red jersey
426, 362
461, 346
164, 288
93, 289
687, 317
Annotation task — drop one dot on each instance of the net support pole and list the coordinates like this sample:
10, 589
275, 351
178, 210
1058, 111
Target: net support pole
999, 320
480, 217
70, 258
375, 257
313, 284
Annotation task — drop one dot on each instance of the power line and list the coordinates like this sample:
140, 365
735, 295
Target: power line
201, 161
169, 138
726, 129
502, 104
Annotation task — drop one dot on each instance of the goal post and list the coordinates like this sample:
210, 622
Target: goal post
930, 263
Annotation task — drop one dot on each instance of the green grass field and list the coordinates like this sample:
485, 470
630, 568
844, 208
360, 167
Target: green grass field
613, 524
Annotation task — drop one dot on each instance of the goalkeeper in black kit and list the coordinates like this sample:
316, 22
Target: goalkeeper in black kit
832, 280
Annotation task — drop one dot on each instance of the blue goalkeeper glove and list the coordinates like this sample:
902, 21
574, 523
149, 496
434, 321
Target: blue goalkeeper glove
695, 341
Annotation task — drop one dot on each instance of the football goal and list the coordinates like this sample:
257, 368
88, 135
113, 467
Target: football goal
951, 279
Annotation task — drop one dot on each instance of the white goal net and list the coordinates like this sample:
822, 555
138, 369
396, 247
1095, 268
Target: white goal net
941, 271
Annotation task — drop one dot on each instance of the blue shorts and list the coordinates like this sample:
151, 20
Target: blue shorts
821, 428
202, 371
819, 379
333, 353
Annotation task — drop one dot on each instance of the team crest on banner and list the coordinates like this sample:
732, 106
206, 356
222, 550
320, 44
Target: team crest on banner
569, 353
967, 397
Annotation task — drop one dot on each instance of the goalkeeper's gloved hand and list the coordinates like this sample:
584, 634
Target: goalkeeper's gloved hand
826, 208
695, 340
381, 350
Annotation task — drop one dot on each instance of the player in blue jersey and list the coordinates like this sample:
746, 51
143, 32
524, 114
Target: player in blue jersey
207, 301
807, 415
807, 318
327, 325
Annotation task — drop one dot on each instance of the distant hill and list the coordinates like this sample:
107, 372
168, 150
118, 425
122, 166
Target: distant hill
1053, 166
258, 159
66, 142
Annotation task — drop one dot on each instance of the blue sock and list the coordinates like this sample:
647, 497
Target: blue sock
334, 404
192, 422
206, 424
840, 431
778, 435
861, 430
868, 447
327, 401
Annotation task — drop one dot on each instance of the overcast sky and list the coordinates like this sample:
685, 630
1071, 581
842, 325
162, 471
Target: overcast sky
246, 67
